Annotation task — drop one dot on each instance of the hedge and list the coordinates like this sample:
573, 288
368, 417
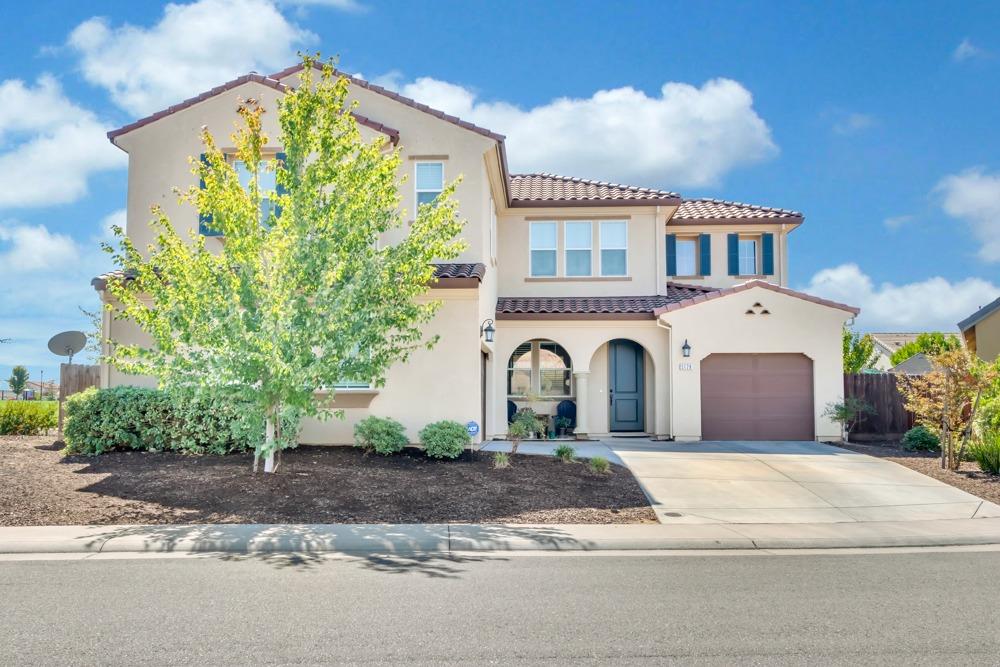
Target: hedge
27, 417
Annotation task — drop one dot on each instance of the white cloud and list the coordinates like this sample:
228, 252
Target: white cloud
684, 136
934, 304
966, 50
897, 221
974, 196
342, 5
51, 146
193, 48
853, 123
25, 249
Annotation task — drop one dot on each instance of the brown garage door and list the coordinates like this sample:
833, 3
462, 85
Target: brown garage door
756, 397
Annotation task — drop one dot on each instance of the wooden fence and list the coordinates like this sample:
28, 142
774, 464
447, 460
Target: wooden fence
880, 390
74, 378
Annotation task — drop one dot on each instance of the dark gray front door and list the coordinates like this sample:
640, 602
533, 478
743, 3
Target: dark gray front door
626, 385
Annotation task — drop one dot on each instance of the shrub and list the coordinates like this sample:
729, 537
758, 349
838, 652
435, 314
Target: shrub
444, 439
920, 438
566, 453
27, 417
517, 431
986, 452
501, 460
534, 424
380, 435
599, 464
194, 421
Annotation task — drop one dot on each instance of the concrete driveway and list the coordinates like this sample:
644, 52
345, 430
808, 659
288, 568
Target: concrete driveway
786, 482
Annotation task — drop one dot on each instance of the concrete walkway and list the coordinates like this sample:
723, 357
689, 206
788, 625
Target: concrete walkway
777, 482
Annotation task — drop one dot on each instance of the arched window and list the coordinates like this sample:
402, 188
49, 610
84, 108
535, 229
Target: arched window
541, 368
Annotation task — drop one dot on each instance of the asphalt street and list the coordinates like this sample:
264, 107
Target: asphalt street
934, 608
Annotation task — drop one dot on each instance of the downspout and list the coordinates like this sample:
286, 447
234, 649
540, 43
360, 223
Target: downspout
670, 367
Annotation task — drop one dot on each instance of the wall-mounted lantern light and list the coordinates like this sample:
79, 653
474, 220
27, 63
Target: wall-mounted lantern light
686, 348
486, 330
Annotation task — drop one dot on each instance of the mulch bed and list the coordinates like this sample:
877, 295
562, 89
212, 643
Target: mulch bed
38, 486
968, 477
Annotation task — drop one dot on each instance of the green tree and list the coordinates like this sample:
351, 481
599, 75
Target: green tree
859, 351
93, 334
931, 344
303, 298
18, 379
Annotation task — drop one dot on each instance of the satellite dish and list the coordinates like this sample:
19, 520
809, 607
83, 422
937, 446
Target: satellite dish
67, 343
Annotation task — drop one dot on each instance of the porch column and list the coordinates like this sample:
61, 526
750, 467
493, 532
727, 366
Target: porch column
581, 379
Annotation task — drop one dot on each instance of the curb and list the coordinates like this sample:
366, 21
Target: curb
465, 538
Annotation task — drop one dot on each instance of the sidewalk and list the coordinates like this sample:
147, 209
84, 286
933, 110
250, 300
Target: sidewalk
459, 538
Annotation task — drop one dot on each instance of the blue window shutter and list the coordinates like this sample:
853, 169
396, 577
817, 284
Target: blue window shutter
705, 250
671, 254
768, 254
205, 219
733, 241
280, 189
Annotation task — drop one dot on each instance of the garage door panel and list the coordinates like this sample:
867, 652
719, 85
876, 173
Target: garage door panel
757, 397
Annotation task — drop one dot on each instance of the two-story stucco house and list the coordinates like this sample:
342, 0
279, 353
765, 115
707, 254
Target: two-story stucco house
650, 313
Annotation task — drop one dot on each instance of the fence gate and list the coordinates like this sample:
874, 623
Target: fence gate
74, 378
881, 391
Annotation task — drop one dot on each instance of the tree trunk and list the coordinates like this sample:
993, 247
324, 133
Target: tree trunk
968, 430
269, 444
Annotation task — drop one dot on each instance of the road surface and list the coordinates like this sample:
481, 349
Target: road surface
907, 608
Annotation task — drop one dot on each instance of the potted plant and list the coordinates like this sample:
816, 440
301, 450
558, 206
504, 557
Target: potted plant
562, 425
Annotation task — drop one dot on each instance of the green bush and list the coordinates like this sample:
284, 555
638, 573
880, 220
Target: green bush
920, 438
501, 460
202, 421
27, 417
444, 439
565, 452
986, 452
599, 464
384, 436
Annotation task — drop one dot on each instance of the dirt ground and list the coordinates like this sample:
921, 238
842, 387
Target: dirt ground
968, 477
38, 486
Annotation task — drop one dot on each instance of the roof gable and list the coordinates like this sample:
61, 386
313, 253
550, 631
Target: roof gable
979, 315
708, 296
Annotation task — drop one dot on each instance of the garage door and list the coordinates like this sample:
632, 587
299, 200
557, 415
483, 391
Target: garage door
756, 397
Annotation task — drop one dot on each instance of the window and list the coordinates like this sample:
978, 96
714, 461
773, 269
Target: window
543, 248
748, 257
687, 254
542, 368
579, 240
614, 248
266, 183
430, 181
519, 371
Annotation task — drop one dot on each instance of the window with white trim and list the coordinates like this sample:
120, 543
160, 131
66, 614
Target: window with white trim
614, 248
429, 179
579, 241
748, 256
544, 244
687, 256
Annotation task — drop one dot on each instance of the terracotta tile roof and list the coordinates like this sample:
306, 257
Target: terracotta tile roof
443, 272
596, 307
715, 294
270, 82
550, 189
399, 98
701, 210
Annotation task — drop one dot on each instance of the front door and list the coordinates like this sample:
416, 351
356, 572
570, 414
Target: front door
626, 385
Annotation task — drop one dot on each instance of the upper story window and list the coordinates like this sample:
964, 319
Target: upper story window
687, 257
748, 256
614, 248
266, 183
544, 246
429, 181
579, 240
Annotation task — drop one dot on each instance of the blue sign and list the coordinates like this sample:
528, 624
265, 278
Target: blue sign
472, 428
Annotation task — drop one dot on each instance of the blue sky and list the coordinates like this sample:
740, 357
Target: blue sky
877, 120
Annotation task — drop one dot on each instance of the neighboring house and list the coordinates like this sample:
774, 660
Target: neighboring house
918, 364
886, 345
981, 331
652, 313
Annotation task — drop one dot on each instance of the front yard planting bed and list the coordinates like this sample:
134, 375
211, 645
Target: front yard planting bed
968, 477
38, 486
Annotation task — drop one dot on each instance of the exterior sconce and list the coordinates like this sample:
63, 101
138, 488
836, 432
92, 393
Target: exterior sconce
686, 348
486, 330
